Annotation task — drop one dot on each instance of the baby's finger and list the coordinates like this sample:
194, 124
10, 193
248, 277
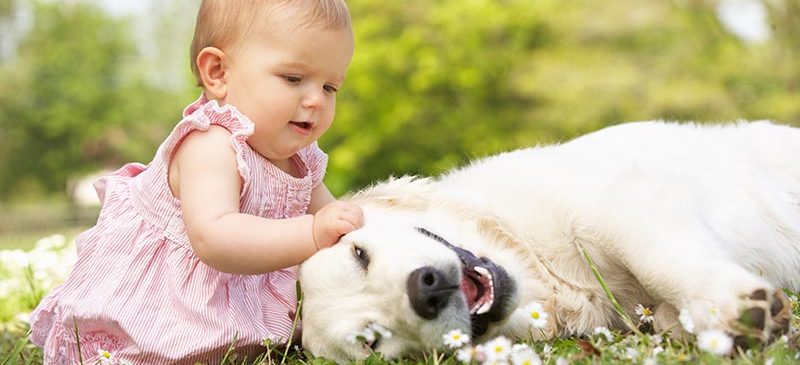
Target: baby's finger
354, 217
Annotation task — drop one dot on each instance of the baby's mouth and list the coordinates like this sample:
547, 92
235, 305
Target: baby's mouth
303, 127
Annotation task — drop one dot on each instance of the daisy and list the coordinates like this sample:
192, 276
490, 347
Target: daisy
466, 354
381, 331
631, 353
715, 342
524, 356
714, 314
363, 336
686, 320
536, 314
562, 361
498, 349
455, 339
369, 334
105, 357
657, 350
602, 330
645, 313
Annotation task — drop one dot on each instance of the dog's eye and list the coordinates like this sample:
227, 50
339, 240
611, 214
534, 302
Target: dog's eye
362, 256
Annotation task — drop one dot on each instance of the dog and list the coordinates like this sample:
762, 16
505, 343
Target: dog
701, 220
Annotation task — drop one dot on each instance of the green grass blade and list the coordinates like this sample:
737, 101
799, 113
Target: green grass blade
609, 294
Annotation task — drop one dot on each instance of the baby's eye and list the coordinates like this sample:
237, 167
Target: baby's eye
292, 79
330, 89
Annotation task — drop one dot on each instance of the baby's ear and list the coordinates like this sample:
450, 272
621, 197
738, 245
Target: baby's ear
211, 65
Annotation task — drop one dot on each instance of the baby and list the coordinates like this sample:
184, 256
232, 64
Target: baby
195, 252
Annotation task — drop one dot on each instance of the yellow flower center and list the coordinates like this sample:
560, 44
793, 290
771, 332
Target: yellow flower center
646, 311
535, 315
106, 354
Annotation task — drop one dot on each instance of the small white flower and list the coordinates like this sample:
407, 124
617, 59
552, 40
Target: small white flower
631, 353
466, 354
562, 361
536, 314
380, 330
498, 349
714, 314
23, 317
519, 347
105, 357
657, 350
455, 339
645, 313
524, 356
602, 330
715, 342
769, 361
369, 334
657, 338
363, 336
650, 361
686, 320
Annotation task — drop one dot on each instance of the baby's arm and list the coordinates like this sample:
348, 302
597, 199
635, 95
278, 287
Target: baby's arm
204, 176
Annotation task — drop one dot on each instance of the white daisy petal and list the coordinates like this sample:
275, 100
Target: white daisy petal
716, 342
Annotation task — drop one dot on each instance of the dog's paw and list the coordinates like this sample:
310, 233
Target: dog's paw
764, 316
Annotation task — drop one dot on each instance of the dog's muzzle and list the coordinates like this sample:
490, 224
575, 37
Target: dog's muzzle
486, 286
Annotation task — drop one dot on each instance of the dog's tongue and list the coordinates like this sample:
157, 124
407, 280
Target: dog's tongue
470, 290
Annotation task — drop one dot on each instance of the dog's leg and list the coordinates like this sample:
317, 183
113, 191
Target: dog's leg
717, 292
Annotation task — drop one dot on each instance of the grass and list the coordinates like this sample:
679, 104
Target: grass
619, 348
631, 347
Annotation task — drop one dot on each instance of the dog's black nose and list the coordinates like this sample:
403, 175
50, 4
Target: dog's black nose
429, 290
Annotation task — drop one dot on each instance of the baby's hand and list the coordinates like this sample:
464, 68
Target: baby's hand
335, 220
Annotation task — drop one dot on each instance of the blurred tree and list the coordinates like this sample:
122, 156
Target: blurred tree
434, 84
62, 96
431, 85
66, 107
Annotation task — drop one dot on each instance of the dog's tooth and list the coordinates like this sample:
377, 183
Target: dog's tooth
482, 271
473, 310
485, 307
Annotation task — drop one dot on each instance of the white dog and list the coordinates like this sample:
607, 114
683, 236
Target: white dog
699, 219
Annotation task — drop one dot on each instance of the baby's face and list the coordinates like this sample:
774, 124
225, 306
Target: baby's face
284, 77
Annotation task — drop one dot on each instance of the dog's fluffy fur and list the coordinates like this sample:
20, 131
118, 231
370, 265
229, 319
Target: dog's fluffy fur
675, 216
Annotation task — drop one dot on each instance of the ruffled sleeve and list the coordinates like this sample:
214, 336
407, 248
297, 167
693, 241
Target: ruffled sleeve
200, 115
316, 161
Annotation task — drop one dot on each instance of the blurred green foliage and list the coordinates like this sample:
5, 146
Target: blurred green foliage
432, 85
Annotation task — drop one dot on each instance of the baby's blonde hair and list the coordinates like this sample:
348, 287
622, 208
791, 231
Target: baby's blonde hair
224, 23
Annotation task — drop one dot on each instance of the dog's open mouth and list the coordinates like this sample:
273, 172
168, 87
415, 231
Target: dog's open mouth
486, 286
478, 287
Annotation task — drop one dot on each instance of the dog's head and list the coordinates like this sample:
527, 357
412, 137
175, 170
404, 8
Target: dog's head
398, 284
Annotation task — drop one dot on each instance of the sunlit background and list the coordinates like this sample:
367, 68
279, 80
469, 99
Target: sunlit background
86, 86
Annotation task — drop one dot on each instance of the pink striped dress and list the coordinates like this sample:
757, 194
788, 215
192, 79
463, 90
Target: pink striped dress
138, 290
